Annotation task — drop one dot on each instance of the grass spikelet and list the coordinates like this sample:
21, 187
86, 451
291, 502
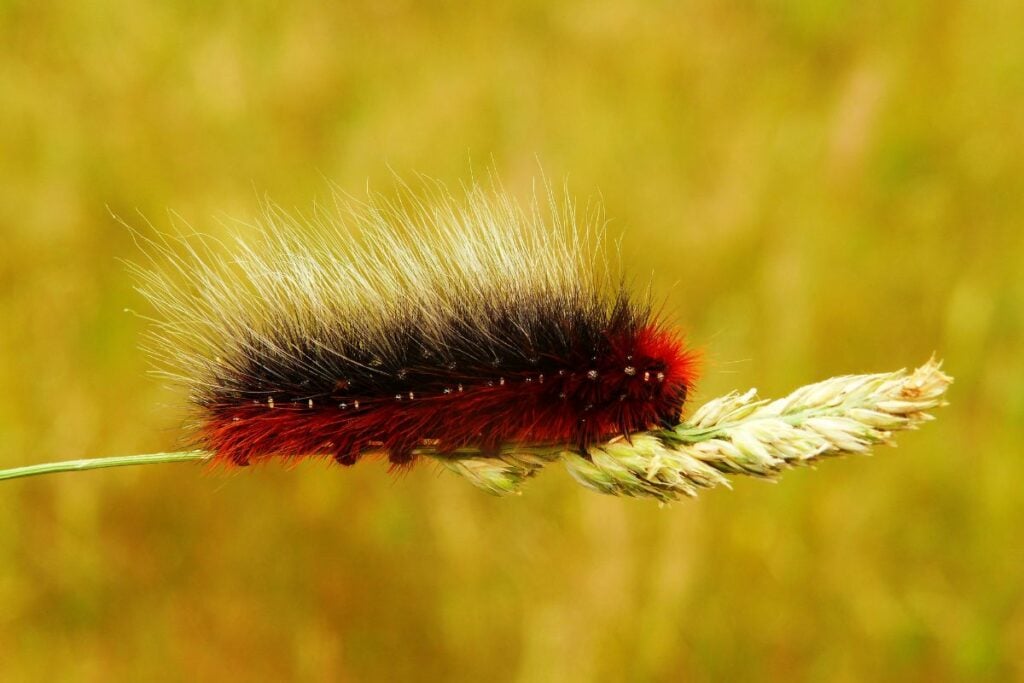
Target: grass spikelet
739, 434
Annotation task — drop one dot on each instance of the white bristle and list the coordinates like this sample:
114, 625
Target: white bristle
363, 266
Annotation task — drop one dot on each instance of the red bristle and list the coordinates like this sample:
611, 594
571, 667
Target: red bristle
640, 382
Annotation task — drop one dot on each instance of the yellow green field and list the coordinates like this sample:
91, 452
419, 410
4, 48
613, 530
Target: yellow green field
817, 187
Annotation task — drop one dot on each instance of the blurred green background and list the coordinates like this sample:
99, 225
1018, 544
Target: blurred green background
818, 188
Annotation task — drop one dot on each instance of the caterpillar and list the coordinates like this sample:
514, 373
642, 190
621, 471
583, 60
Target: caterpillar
432, 318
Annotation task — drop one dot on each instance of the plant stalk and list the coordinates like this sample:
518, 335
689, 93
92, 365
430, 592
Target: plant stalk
100, 463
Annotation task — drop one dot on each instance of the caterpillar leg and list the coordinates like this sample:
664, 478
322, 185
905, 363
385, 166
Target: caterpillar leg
348, 455
400, 455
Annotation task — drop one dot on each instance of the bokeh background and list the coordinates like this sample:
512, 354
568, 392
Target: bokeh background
818, 188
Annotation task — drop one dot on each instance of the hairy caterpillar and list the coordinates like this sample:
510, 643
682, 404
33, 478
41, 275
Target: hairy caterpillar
429, 319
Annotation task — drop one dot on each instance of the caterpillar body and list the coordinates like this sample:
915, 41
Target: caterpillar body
431, 319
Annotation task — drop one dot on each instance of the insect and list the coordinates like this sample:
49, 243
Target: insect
432, 319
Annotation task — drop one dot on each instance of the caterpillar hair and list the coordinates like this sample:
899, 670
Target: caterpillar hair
434, 319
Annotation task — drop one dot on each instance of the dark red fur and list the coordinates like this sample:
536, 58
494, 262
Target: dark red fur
641, 382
